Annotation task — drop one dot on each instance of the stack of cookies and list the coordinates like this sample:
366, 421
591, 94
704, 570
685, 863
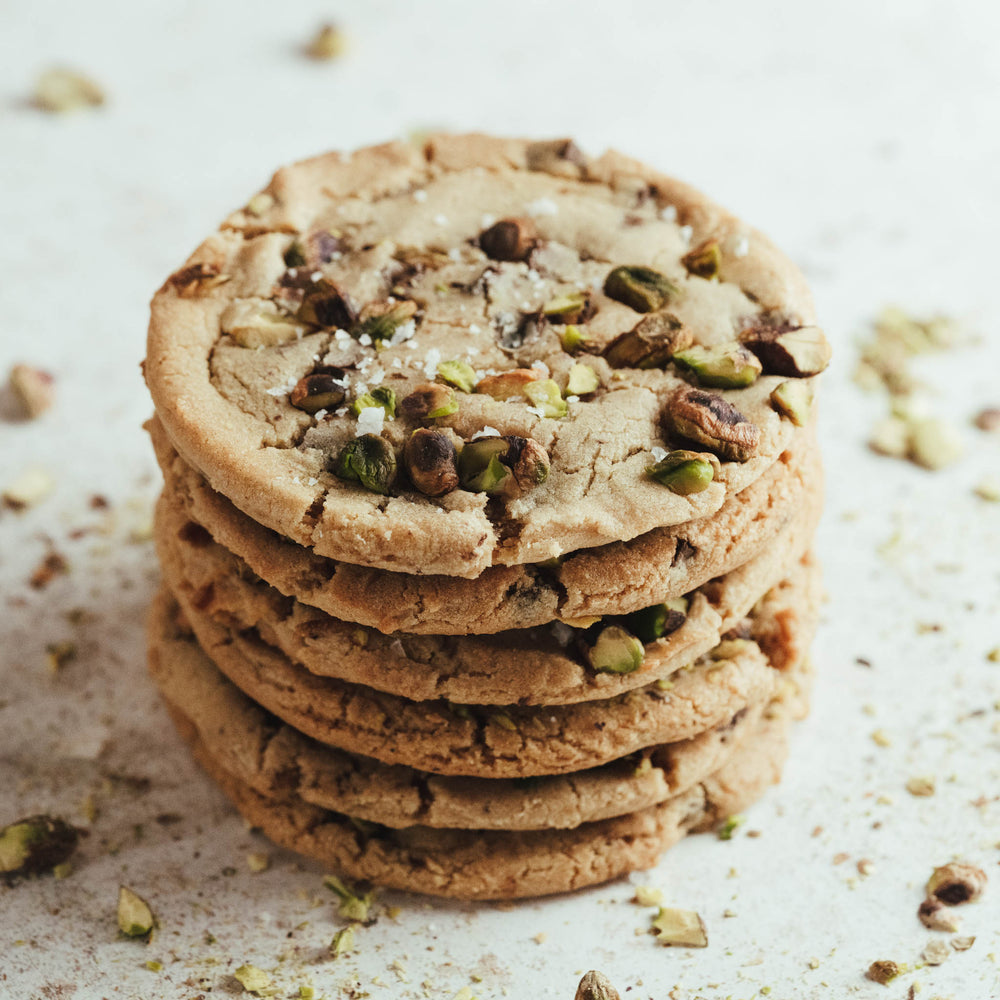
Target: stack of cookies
490, 484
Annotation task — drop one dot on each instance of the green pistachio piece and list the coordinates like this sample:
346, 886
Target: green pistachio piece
319, 247
640, 288
429, 401
616, 651
793, 399
566, 308
651, 343
383, 325
260, 203
35, 845
572, 338
135, 918
509, 239
527, 460
729, 648
255, 323
655, 622
596, 986
683, 928
582, 381
727, 366
683, 472
713, 422
479, 467
432, 462
382, 396
343, 941
295, 255
799, 352
320, 391
705, 260
458, 373
369, 460
730, 826
352, 905
544, 394
252, 979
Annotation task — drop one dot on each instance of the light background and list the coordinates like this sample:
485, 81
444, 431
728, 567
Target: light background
863, 137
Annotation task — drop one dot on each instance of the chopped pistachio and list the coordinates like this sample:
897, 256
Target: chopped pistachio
884, 971
683, 928
193, 280
651, 343
30, 487
726, 366
479, 467
252, 979
509, 239
934, 443
352, 905
793, 399
572, 338
327, 44
504, 721
545, 395
135, 918
382, 396
458, 373
988, 489
63, 870
646, 895
729, 827
256, 323
319, 247
343, 941
258, 861
705, 260
640, 288
527, 460
429, 401
655, 622
36, 845
154, 966
320, 391
799, 352
369, 460
432, 462
509, 384
568, 308
616, 651
33, 389
963, 943
324, 305
937, 916
955, 883
596, 986
921, 786
382, 322
729, 648
683, 472
714, 422
307, 993
62, 89
582, 380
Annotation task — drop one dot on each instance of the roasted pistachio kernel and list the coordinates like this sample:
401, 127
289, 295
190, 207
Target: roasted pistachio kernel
254, 323
582, 380
509, 239
727, 366
322, 391
683, 928
562, 157
596, 986
616, 651
799, 352
479, 467
953, 884
705, 260
509, 384
640, 288
382, 396
884, 971
651, 343
323, 305
569, 308
135, 918
35, 845
429, 401
432, 462
572, 338
683, 472
545, 395
655, 622
368, 460
458, 373
713, 422
936, 916
527, 460
381, 324
793, 399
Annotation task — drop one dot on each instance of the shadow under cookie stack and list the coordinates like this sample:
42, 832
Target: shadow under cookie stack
490, 485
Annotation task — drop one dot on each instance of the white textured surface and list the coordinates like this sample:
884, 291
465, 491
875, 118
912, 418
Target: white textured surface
863, 137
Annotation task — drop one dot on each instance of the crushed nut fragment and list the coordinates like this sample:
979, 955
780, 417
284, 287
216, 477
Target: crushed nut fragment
651, 343
885, 971
62, 89
726, 366
36, 845
509, 239
640, 288
328, 43
954, 884
936, 916
33, 389
135, 918
30, 487
683, 928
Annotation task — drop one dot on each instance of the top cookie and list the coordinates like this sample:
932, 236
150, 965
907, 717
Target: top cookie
439, 359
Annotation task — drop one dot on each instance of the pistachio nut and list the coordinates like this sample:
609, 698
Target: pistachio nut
35, 845
509, 239
509, 384
381, 322
457, 373
511, 465
428, 401
655, 622
343, 941
545, 395
683, 472
432, 462
616, 651
640, 288
572, 338
582, 380
651, 343
194, 280
369, 460
319, 391
793, 399
352, 905
799, 352
527, 460
937, 916
324, 305
568, 308
382, 396
953, 884
683, 928
562, 157
596, 986
884, 971
705, 260
261, 203
726, 366
257, 323
135, 918
313, 250
713, 422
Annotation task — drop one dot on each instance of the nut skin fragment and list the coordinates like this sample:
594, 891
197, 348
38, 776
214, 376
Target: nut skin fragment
429, 401
509, 384
954, 884
683, 472
596, 986
431, 462
369, 460
509, 239
320, 391
35, 845
728, 366
705, 260
640, 288
713, 422
313, 250
33, 388
798, 352
651, 343
936, 916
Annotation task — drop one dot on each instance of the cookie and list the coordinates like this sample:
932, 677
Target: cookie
586, 311
545, 665
485, 741
503, 864
613, 579
277, 761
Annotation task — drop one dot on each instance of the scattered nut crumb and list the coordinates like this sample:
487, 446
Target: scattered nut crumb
993, 656
840, 857
30, 487
596, 986
921, 786
540, 938
33, 389
683, 928
258, 861
58, 654
62, 89
328, 43
936, 952
988, 489
252, 979
963, 943
936, 916
47, 570
884, 971
988, 419
956, 883
866, 866
881, 738
646, 895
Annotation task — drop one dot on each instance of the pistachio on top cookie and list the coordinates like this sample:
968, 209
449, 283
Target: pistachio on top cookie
480, 352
